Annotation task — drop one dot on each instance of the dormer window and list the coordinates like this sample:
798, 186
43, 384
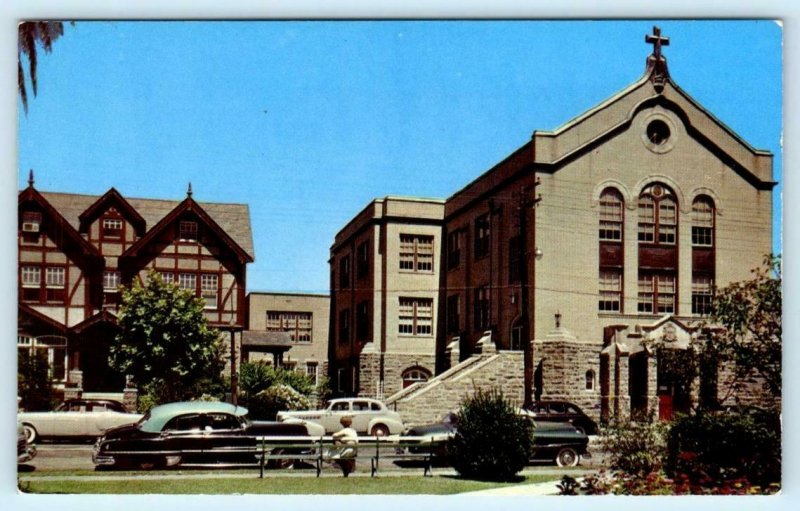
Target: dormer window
111, 228
187, 230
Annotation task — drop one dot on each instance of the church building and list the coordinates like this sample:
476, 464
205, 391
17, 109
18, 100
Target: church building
593, 244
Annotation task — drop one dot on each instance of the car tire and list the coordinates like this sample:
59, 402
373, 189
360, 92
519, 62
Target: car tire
30, 433
379, 430
567, 457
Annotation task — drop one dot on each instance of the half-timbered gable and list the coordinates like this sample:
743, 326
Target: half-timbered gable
76, 251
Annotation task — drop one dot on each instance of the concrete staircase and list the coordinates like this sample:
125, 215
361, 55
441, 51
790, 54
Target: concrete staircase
428, 401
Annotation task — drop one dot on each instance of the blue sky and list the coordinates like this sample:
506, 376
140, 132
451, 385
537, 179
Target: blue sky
306, 122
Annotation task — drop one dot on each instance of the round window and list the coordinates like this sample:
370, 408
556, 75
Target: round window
657, 132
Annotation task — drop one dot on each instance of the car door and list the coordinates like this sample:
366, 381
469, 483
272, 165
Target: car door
69, 420
361, 415
226, 441
183, 436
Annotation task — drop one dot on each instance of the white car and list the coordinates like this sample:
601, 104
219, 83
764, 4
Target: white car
76, 418
370, 416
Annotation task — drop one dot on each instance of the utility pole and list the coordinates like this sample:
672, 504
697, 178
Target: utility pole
527, 299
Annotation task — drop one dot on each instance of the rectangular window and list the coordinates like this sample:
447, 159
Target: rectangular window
610, 220
111, 228
167, 276
416, 253
111, 281
657, 293
55, 282
297, 324
482, 236
453, 250
31, 283
209, 288
362, 263
31, 226
362, 321
188, 281
514, 260
481, 311
311, 371
667, 222
416, 316
344, 272
702, 292
610, 291
344, 326
647, 220
702, 236
453, 314
187, 231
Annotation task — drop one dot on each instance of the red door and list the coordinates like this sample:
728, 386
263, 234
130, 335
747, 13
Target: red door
665, 407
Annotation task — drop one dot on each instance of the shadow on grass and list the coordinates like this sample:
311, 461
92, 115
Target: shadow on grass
458, 477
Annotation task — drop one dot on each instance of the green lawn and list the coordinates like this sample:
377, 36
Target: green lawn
277, 485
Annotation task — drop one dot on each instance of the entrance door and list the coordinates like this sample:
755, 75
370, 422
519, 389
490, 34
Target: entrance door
664, 406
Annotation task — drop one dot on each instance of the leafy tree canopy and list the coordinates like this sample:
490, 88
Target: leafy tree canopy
164, 342
749, 313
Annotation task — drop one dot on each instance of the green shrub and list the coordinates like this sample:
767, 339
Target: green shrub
266, 404
33, 382
634, 448
713, 448
257, 376
492, 443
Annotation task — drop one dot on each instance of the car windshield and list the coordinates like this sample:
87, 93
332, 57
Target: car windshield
143, 420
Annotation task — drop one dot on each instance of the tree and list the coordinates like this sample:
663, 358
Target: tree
749, 314
164, 342
31, 34
33, 381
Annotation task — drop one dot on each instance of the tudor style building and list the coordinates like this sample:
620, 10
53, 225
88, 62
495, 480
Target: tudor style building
76, 250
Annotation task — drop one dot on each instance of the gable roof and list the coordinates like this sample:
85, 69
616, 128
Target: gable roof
189, 204
112, 198
233, 219
72, 240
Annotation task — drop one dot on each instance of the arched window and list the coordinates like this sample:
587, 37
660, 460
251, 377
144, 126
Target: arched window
658, 215
611, 215
703, 222
590, 380
414, 375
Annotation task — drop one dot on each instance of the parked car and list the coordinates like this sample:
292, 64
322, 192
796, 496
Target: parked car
560, 443
25, 451
369, 416
563, 411
198, 433
76, 419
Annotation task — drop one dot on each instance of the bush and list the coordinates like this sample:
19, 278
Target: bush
635, 448
714, 448
266, 404
255, 377
492, 443
33, 382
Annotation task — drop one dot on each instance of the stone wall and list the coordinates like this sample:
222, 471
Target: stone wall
503, 371
564, 366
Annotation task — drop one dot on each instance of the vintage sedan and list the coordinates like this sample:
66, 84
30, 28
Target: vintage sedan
563, 411
76, 419
192, 433
553, 442
370, 416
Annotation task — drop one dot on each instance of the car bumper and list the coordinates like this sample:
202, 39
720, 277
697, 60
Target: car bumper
102, 459
27, 454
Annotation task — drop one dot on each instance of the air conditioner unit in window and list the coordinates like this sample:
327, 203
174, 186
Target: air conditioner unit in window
30, 227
